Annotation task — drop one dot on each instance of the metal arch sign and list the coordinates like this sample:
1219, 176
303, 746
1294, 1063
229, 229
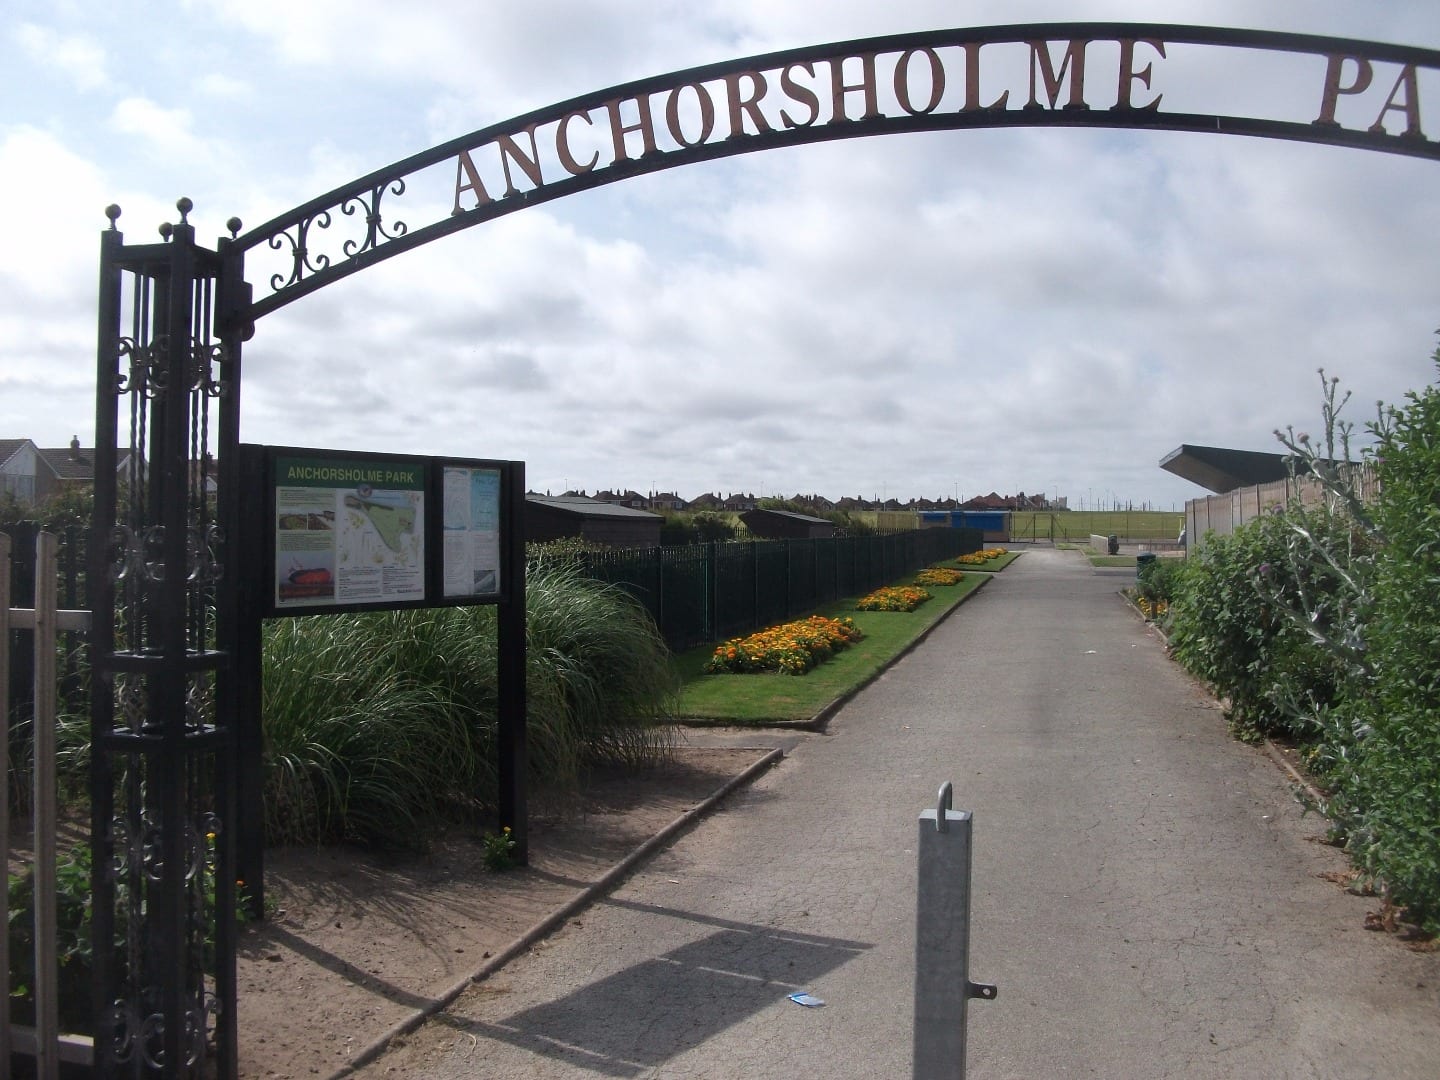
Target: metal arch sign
1359, 94
174, 689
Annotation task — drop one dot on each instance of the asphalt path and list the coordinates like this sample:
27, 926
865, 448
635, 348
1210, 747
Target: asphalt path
1147, 891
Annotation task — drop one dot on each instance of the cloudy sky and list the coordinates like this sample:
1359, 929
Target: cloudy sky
910, 315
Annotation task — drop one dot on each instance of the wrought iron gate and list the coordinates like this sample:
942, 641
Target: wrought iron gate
172, 316
162, 768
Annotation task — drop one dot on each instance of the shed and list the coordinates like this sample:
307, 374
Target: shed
558, 517
785, 525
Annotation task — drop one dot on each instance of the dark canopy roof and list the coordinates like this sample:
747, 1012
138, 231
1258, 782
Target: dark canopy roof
1220, 470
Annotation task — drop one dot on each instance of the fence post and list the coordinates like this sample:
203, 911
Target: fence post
658, 562
5, 784
942, 942
789, 585
755, 582
815, 572
712, 591
47, 999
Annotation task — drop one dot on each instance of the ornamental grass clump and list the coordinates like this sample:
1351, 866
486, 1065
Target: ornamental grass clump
601, 682
381, 726
893, 598
939, 575
790, 649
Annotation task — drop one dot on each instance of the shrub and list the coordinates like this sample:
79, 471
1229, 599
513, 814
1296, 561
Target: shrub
1228, 628
72, 941
74, 951
1391, 800
1156, 580
1354, 659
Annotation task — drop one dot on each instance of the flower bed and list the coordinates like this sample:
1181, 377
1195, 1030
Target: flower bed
939, 575
980, 558
791, 649
893, 598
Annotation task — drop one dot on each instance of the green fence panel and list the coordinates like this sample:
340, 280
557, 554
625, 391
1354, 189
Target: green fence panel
703, 593
803, 595
683, 590
826, 570
734, 570
772, 577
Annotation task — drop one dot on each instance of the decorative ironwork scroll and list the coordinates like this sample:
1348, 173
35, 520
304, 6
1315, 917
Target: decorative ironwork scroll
1359, 94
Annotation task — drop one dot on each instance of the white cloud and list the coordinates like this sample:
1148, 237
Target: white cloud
984, 309
48, 183
81, 60
142, 117
217, 85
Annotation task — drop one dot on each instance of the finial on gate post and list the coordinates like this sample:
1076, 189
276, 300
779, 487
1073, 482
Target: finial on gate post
113, 213
165, 230
184, 205
234, 225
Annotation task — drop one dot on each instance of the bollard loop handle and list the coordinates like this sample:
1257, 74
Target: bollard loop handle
942, 808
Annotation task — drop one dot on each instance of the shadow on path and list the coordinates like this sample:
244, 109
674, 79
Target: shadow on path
640, 1017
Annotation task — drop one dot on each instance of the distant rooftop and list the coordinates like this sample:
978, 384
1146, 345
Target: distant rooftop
579, 504
806, 518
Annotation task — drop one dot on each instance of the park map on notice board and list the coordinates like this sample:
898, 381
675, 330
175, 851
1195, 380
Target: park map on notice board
348, 532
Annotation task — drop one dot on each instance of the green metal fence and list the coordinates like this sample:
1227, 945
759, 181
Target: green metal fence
1077, 526
705, 593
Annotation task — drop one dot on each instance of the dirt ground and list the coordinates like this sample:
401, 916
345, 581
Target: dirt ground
358, 943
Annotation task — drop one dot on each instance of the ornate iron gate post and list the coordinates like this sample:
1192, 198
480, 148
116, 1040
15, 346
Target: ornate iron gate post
161, 784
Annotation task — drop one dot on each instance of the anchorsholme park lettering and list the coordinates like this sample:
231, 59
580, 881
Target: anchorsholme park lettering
1296, 87
176, 634
842, 90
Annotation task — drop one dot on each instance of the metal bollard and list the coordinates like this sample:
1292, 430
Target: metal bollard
942, 942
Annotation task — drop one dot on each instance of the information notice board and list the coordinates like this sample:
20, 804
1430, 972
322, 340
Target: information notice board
471, 504
323, 531
349, 531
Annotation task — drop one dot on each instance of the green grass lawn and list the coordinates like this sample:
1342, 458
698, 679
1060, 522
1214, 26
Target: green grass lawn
1112, 560
758, 698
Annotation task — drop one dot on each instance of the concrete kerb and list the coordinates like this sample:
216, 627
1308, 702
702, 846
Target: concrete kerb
822, 718
1276, 753
555, 919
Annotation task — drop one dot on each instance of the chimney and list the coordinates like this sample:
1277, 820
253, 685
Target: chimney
75, 448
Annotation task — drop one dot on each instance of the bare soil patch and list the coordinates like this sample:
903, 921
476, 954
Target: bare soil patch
359, 942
